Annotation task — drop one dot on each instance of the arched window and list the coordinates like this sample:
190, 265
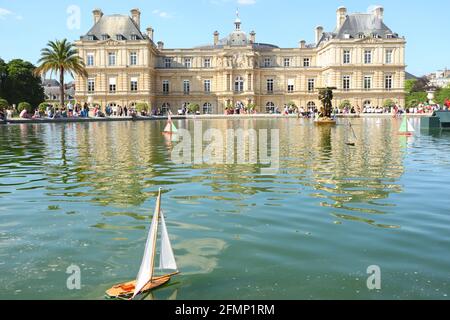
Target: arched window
207, 108
165, 108
311, 105
239, 84
270, 107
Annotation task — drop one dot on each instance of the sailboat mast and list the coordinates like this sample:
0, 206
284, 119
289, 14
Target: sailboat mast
157, 212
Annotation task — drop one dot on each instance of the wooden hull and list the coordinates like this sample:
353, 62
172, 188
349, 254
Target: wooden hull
126, 289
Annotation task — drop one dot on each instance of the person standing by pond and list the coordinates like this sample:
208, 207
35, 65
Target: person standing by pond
2, 115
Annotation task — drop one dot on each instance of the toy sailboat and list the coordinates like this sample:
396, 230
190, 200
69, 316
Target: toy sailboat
146, 280
350, 142
406, 128
170, 127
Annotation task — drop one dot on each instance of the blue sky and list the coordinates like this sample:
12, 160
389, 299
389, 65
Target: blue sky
26, 26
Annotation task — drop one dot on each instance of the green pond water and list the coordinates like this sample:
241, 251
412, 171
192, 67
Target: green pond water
84, 194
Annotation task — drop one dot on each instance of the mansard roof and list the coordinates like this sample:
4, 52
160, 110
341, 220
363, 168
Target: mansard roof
363, 23
113, 25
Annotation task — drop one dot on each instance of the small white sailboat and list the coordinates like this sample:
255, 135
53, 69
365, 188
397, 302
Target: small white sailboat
146, 279
170, 127
406, 128
350, 142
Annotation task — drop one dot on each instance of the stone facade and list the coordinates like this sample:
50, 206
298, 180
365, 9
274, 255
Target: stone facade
362, 58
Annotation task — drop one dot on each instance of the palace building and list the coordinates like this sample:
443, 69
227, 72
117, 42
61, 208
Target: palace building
363, 58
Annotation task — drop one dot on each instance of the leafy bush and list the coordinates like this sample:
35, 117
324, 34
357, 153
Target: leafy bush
3, 103
193, 107
345, 104
415, 98
24, 106
142, 107
43, 107
389, 103
442, 95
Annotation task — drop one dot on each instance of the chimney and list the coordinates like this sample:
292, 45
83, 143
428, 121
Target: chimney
341, 15
252, 37
150, 33
97, 15
379, 12
216, 38
302, 44
136, 16
160, 45
319, 33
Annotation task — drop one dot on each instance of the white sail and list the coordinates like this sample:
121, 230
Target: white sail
410, 127
167, 258
146, 271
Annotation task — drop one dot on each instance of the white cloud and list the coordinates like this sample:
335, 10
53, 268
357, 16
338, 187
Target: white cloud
162, 14
4, 13
246, 2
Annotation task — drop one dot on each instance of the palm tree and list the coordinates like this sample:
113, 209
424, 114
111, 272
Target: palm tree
61, 57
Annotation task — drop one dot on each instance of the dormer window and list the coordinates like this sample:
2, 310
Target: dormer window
119, 37
361, 36
105, 37
346, 36
390, 36
134, 37
91, 37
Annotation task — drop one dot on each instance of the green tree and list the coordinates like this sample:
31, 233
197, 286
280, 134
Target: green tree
193, 107
142, 107
24, 106
61, 57
345, 104
413, 99
3, 77
441, 95
20, 83
388, 103
3, 103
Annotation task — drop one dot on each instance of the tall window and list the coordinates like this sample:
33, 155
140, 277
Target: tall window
207, 86
389, 54
167, 62
249, 82
388, 82
112, 58
311, 85
91, 85
188, 63
368, 56
207, 108
267, 62
269, 85
290, 85
287, 62
239, 84
367, 82
306, 62
133, 58
134, 84
207, 63
112, 85
347, 57
186, 86
166, 86
346, 83
90, 59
